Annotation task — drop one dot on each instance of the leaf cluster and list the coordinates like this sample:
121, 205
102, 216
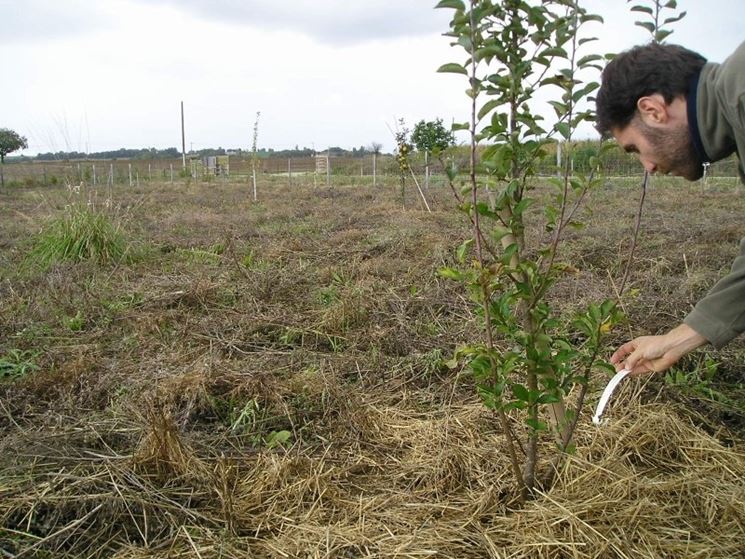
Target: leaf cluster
654, 21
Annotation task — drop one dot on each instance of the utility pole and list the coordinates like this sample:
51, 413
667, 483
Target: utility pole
183, 139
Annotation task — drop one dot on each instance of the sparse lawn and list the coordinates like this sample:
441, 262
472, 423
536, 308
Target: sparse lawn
269, 380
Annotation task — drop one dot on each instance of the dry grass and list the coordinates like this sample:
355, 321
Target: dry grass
152, 426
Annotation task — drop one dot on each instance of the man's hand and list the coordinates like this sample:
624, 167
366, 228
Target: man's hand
657, 353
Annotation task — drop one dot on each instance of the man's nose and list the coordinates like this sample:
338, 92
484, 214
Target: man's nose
648, 165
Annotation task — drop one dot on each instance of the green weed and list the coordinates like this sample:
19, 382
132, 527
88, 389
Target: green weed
75, 323
17, 363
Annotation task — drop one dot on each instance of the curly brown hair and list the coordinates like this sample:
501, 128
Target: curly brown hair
643, 70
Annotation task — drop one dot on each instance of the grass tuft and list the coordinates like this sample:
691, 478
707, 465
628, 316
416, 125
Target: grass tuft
82, 232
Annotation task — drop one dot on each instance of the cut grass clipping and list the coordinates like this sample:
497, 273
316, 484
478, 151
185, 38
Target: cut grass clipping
81, 233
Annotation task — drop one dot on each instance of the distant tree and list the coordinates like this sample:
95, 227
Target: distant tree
10, 141
431, 138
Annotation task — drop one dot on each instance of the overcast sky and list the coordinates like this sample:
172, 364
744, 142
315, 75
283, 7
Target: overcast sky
94, 76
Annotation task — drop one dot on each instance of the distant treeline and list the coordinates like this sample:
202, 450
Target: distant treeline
171, 153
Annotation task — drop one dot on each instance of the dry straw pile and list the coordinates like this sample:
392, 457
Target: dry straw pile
395, 482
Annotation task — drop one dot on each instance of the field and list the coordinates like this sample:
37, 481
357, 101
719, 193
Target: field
269, 379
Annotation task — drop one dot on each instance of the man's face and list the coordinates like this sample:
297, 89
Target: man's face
661, 149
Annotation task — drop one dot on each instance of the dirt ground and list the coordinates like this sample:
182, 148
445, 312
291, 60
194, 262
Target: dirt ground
268, 379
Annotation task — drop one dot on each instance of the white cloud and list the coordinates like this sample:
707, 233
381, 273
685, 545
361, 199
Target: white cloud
325, 73
338, 22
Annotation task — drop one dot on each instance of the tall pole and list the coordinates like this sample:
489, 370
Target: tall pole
183, 139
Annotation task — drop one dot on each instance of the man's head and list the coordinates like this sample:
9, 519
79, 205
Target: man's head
642, 103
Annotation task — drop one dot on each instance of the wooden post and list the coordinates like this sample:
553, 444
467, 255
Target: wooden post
110, 182
289, 171
426, 170
183, 139
137, 174
328, 169
375, 170
253, 175
171, 173
149, 175
130, 173
94, 174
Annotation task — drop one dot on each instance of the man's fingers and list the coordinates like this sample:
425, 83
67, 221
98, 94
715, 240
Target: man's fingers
621, 353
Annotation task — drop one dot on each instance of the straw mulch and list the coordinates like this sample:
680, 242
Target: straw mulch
382, 479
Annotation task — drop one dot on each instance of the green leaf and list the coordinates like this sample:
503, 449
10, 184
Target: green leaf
644, 9
661, 35
465, 42
498, 232
564, 129
553, 51
488, 107
452, 68
454, 4
674, 18
277, 438
589, 58
549, 398
521, 206
509, 252
520, 392
450, 273
535, 424
646, 25
463, 249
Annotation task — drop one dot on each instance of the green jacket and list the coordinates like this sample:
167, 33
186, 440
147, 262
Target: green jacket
718, 129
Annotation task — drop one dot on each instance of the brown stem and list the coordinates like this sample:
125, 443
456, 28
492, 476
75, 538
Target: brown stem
637, 226
479, 253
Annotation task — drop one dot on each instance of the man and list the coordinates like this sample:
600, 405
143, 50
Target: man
677, 112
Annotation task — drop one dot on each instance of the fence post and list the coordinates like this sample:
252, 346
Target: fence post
94, 174
171, 173
130, 174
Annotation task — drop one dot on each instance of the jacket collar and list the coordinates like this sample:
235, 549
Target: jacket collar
691, 108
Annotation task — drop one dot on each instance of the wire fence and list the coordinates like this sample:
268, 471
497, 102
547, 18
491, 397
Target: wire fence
319, 170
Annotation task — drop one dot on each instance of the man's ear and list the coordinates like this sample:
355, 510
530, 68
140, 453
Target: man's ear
653, 109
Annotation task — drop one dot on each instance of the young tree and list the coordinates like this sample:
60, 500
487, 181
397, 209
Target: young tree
10, 141
431, 138
528, 362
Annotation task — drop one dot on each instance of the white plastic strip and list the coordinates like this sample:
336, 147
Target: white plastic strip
617, 378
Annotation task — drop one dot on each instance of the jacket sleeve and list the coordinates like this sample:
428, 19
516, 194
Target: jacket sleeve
720, 316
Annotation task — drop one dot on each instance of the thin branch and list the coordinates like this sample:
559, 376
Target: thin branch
637, 226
